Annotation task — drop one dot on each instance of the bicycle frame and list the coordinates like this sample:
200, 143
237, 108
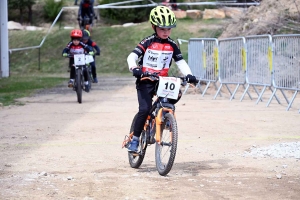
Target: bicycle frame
158, 121
162, 117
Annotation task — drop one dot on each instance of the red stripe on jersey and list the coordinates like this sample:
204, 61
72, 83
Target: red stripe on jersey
161, 47
142, 47
163, 72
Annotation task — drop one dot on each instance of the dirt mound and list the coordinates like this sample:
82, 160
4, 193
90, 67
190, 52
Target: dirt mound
270, 17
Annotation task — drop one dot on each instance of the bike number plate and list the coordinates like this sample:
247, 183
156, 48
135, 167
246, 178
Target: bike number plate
168, 87
79, 59
89, 59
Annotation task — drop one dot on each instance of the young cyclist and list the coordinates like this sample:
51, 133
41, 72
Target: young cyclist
86, 7
154, 53
75, 46
87, 40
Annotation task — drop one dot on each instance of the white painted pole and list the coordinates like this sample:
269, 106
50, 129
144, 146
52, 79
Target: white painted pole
4, 50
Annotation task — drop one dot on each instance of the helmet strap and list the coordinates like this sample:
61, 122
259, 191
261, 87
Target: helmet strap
154, 28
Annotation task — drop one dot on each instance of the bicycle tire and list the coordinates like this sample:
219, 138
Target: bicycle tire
90, 77
135, 160
79, 85
165, 152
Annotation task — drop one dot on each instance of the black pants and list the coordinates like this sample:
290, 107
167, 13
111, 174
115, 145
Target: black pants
93, 67
73, 73
145, 92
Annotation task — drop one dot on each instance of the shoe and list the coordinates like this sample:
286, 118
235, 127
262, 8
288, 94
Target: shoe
133, 146
70, 83
95, 80
87, 87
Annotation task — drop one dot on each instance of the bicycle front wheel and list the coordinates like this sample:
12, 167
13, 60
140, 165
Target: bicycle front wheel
135, 160
79, 85
165, 152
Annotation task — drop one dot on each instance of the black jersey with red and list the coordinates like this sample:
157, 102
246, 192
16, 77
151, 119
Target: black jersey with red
93, 44
156, 54
86, 8
81, 48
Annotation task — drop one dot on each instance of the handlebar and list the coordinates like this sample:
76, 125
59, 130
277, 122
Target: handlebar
155, 76
72, 55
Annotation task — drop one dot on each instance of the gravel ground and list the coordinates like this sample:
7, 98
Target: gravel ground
281, 150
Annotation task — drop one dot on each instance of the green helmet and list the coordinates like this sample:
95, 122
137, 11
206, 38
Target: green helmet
162, 17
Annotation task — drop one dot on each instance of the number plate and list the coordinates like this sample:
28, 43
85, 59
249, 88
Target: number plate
79, 59
168, 87
89, 59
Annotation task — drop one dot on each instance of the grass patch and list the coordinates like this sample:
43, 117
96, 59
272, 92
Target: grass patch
14, 88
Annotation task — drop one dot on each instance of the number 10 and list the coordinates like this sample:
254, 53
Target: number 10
172, 86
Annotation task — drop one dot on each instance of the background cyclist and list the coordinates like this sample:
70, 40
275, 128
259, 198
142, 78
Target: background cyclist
87, 40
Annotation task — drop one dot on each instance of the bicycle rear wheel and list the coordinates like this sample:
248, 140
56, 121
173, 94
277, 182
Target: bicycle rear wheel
135, 160
79, 85
165, 152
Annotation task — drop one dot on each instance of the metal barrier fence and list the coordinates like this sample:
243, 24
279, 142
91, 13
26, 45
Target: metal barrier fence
265, 61
232, 64
259, 64
203, 60
286, 73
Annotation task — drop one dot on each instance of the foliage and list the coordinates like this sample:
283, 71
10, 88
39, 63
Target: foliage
21, 5
52, 8
125, 15
17, 4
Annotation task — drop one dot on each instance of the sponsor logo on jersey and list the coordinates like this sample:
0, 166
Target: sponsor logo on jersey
152, 58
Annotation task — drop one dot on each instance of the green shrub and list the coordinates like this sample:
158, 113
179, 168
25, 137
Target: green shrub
135, 15
52, 8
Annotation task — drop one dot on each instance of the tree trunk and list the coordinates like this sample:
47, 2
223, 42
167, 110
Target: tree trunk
21, 15
30, 14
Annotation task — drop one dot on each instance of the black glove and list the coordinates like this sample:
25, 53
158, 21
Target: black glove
190, 78
96, 17
79, 18
137, 72
97, 54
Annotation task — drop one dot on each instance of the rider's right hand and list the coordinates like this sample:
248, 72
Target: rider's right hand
79, 18
65, 54
137, 72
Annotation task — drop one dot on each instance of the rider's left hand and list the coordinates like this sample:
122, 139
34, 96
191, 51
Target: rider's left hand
91, 53
190, 78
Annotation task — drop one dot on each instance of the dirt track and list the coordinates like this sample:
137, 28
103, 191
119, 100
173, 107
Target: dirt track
55, 148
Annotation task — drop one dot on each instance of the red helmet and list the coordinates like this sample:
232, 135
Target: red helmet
76, 33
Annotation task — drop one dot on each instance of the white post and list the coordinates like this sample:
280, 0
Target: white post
4, 59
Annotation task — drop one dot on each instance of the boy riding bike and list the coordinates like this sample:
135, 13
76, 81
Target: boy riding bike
75, 46
87, 40
86, 8
155, 54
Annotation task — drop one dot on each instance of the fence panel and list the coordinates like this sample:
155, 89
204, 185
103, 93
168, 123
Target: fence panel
204, 60
259, 64
233, 61
286, 65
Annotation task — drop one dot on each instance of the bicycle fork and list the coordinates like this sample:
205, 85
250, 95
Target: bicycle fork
159, 119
